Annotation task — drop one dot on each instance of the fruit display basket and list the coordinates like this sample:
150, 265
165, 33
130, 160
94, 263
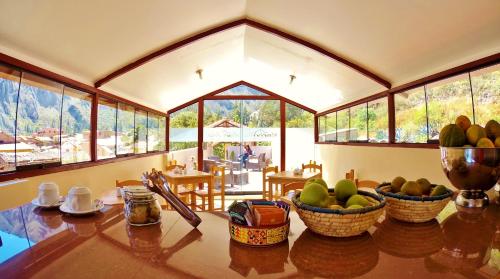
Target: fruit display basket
339, 222
259, 236
412, 208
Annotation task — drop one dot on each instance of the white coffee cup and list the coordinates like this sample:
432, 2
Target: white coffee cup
48, 193
79, 198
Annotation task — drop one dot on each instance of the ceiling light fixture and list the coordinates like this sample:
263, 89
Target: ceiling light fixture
200, 73
292, 78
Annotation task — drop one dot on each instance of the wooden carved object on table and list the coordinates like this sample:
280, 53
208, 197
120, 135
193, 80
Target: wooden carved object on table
156, 182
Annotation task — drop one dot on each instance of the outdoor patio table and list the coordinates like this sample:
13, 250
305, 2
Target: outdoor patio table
285, 177
192, 177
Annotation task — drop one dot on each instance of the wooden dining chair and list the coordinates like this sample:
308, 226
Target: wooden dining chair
183, 191
289, 191
219, 173
121, 184
366, 183
350, 175
313, 167
265, 180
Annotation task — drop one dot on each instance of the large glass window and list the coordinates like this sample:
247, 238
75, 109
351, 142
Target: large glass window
75, 138
358, 123
125, 129
411, 117
184, 128
38, 121
331, 127
141, 131
343, 125
447, 99
106, 129
9, 89
162, 133
299, 144
153, 132
486, 89
322, 128
378, 121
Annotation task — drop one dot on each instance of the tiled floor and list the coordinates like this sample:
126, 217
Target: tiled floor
254, 183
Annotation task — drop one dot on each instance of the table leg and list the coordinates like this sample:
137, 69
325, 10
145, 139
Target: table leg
270, 190
211, 194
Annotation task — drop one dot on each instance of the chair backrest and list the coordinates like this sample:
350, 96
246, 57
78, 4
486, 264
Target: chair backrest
121, 184
266, 171
350, 175
312, 166
171, 167
171, 162
219, 173
293, 186
367, 183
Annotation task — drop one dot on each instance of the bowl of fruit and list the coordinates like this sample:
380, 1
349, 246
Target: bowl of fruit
341, 212
470, 159
414, 201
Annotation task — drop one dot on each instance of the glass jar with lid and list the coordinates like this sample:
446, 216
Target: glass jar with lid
142, 208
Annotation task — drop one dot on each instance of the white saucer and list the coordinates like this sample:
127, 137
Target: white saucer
36, 202
96, 206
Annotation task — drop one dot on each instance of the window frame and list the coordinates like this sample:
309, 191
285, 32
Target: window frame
466, 69
47, 168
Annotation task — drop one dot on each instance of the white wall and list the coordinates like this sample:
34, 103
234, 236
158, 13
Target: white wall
380, 163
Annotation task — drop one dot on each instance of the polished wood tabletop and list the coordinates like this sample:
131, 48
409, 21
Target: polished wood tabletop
48, 244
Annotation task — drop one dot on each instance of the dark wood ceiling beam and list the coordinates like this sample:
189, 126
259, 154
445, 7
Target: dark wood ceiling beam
249, 22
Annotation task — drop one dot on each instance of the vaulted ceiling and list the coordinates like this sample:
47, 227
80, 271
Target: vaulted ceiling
398, 41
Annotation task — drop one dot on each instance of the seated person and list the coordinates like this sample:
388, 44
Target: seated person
244, 157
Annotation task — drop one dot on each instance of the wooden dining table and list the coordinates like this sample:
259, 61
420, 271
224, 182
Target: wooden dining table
192, 177
285, 177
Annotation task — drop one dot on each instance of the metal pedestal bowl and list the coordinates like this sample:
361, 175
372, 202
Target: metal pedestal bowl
473, 171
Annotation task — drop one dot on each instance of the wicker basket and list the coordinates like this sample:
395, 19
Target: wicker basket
259, 236
336, 222
413, 209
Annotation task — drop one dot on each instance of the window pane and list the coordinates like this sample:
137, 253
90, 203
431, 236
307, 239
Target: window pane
321, 128
184, 128
358, 121
486, 88
378, 121
106, 129
343, 125
75, 139
242, 90
125, 129
411, 118
162, 133
295, 117
299, 144
331, 127
38, 121
447, 99
9, 89
153, 129
141, 132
